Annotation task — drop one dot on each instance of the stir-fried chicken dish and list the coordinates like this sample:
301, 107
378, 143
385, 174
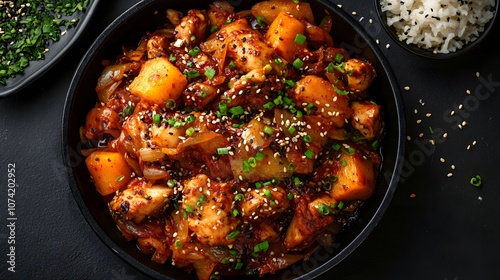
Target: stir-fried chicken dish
227, 141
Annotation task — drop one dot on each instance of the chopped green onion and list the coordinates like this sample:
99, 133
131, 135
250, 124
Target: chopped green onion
336, 146
177, 244
223, 108
297, 63
239, 265
309, 154
263, 246
476, 181
252, 162
193, 38
194, 51
232, 65
128, 111
343, 162
258, 185
190, 131
192, 73
267, 192
338, 58
189, 209
307, 138
239, 197
233, 234
339, 91
268, 130
120, 178
236, 111
269, 105
222, 151
278, 61
289, 196
375, 144
291, 129
290, 83
201, 200
172, 57
235, 212
157, 118
170, 104
203, 94
340, 205
246, 166
261, 21
171, 183
190, 118
259, 156
214, 28
300, 39
210, 73
323, 209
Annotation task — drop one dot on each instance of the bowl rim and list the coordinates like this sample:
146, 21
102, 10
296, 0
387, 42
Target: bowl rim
327, 265
429, 54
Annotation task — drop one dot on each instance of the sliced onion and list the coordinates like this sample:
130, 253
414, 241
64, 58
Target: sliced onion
151, 154
154, 173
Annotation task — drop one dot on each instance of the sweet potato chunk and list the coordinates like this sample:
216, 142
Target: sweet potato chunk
270, 10
320, 93
356, 178
282, 33
158, 81
109, 171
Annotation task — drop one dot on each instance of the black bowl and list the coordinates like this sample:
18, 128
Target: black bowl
127, 30
428, 53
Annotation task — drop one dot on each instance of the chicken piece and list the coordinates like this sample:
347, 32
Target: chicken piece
101, 121
192, 29
360, 74
264, 203
313, 91
208, 205
133, 135
366, 119
219, 12
307, 222
356, 178
157, 46
249, 52
140, 200
174, 16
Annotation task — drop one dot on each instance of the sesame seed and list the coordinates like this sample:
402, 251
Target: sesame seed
419, 121
449, 175
354, 13
387, 46
428, 115
442, 160
453, 167
407, 88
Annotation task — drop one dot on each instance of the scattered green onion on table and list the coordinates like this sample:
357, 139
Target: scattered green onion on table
27, 27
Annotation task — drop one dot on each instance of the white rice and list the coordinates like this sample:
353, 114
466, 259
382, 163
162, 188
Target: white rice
442, 26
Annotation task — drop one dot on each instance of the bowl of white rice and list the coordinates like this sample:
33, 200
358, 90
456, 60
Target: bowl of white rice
438, 28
